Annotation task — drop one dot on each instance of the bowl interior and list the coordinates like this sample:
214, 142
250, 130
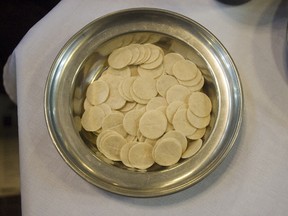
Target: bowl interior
95, 63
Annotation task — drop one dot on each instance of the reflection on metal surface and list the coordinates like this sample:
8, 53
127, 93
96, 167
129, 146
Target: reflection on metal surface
83, 59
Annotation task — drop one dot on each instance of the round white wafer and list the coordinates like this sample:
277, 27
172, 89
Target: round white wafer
156, 102
140, 155
167, 151
171, 110
162, 109
164, 82
184, 70
131, 121
147, 53
194, 81
153, 64
123, 72
177, 93
120, 58
181, 123
128, 106
106, 108
124, 153
97, 92
142, 55
136, 98
114, 121
192, 148
111, 146
169, 60
120, 90
198, 86
198, 122
126, 85
101, 136
153, 124
140, 38
154, 54
151, 73
144, 88
200, 104
199, 133
135, 53
178, 136
114, 100
87, 104
92, 118
126, 40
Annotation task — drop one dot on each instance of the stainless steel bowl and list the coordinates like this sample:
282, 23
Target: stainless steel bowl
82, 60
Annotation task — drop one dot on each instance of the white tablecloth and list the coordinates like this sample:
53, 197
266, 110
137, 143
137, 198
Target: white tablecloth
252, 180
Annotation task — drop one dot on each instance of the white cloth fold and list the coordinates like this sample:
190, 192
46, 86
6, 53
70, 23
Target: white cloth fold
253, 178
9, 77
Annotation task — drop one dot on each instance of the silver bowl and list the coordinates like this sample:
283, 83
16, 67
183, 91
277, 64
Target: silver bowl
82, 60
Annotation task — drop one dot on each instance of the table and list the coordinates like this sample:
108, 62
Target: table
252, 180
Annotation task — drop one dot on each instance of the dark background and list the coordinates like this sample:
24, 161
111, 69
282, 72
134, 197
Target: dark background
16, 18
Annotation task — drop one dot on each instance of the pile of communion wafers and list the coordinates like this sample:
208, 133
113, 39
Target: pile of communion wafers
147, 107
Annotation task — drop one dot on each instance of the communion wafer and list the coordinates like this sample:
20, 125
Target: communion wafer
111, 146
178, 136
171, 110
92, 119
193, 82
198, 86
198, 134
196, 121
167, 151
140, 155
164, 83
144, 88
184, 70
181, 123
177, 93
156, 102
120, 58
97, 92
124, 153
169, 60
153, 124
114, 121
151, 73
200, 104
192, 148
131, 121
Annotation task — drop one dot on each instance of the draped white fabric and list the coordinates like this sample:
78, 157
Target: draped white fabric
252, 180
